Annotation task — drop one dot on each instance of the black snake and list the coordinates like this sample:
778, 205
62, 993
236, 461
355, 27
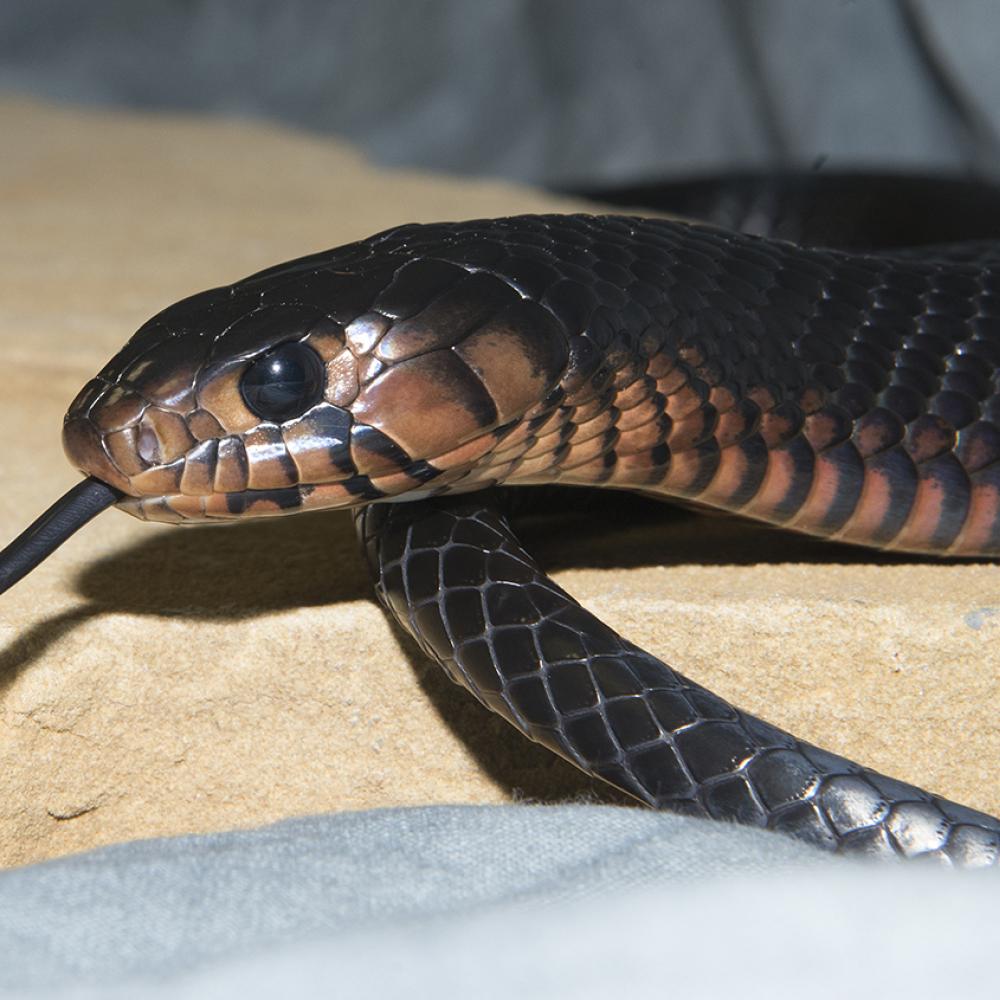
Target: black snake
854, 397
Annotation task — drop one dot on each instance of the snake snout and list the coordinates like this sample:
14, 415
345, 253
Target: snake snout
85, 443
116, 435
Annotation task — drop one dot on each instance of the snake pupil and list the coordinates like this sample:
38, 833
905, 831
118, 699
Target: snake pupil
284, 383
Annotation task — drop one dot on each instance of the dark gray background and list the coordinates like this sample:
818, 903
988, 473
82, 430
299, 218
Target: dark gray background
550, 91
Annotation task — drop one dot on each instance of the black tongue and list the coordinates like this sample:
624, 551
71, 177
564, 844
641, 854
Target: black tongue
41, 539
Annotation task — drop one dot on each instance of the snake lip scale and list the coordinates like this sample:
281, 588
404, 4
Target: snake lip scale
851, 397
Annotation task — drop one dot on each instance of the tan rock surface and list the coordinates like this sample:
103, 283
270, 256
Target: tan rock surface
157, 680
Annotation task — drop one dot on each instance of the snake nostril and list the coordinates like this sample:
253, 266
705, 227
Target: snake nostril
148, 446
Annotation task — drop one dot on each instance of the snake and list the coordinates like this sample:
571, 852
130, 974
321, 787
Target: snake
418, 376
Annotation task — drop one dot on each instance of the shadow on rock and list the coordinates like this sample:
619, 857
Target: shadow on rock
233, 570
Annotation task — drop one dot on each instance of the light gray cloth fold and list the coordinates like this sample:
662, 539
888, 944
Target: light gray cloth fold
534, 901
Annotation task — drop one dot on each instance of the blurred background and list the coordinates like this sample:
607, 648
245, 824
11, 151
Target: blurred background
649, 101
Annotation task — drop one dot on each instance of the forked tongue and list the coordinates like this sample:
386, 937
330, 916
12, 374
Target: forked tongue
44, 536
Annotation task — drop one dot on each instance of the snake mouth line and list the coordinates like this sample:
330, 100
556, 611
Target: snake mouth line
40, 539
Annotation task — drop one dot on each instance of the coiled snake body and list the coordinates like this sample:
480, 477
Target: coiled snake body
851, 397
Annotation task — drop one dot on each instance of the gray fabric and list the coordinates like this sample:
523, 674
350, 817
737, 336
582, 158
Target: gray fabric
572, 901
570, 91
145, 906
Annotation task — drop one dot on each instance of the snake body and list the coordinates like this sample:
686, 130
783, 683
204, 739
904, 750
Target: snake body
853, 397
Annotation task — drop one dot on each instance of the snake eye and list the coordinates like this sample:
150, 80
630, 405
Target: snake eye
283, 383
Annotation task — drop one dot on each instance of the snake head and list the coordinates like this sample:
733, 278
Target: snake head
361, 374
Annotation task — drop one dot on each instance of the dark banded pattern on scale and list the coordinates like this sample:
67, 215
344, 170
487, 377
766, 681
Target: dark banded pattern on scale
850, 397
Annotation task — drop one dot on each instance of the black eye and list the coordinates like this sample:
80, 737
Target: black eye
284, 383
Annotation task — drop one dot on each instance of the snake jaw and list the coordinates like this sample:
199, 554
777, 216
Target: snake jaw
326, 458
